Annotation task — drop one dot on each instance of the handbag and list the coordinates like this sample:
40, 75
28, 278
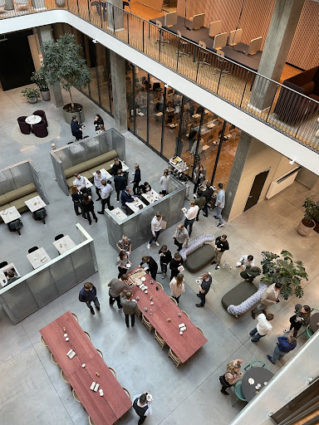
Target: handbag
164, 224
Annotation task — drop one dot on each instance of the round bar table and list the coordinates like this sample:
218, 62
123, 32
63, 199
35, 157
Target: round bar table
260, 375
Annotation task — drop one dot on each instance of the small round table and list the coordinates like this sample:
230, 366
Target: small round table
260, 375
33, 119
314, 322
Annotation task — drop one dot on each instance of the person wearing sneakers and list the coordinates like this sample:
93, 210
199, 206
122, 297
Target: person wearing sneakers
284, 345
221, 245
262, 328
156, 227
190, 216
219, 205
87, 295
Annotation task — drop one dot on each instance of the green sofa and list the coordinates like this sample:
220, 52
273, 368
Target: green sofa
17, 197
87, 168
200, 258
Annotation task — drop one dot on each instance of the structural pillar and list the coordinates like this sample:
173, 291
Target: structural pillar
281, 32
236, 172
115, 20
45, 35
118, 73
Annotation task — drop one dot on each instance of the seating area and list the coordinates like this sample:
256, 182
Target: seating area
36, 123
17, 197
199, 253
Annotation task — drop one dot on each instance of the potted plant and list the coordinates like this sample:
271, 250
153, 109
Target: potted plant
308, 223
60, 3
283, 269
63, 63
31, 94
37, 77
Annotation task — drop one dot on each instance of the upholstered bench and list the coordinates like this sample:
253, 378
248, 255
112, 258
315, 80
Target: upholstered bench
199, 253
17, 197
87, 168
242, 298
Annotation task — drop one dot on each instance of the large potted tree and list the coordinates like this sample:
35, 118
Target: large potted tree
37, 77
283, 269
308, 222
63, 63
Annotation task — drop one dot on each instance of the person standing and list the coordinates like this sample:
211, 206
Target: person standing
199, 175
142, 406
221, 245
207, 193
88, 295
79, 182
97, 179
177, 286
123, 264
156, 227
129, 308
88, 208
106, 195
77, 197
164, 180
125, 244
98, 122
165, 259
271, 295
200, 201
231, 376
117, 165
117, 286
284, 345
181, 237
300, 318
190, 216
119, 183
262, 328
204, 282
219, 205
176, 265
76, 128
151, 266
136, 179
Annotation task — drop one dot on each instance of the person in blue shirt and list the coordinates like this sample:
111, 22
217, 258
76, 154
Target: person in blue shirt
76, 128
284, 345
87, 295
219, 205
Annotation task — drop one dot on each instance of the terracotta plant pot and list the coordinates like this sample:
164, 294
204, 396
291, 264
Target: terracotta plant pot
305, 227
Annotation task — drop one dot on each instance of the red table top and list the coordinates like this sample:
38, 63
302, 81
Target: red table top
114, 403
184, 346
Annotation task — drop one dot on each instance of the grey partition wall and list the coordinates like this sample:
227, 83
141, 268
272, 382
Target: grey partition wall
137, 226
36, 289
82, 151
17, 175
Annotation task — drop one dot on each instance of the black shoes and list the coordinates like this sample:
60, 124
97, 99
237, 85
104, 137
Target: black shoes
213, 262
96, 220
92, 310
100, 212
199, 305
198, 295
98, 308
224, 392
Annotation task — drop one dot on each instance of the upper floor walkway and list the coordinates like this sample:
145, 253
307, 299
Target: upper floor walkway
289, 122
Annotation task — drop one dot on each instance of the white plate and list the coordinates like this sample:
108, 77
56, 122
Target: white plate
143, 279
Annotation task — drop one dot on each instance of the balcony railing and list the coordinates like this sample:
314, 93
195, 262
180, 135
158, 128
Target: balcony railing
280, 107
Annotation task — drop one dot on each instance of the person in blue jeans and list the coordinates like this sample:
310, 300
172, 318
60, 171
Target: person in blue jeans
219, 205
88, 295
262, 328
284, 345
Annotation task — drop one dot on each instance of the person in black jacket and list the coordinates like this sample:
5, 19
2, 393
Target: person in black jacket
77, 197
151, 265
98, 122
207, 193
119, 183
221, 245
87, 295
88, 208
175, 264
117, 165
136, 179
76, 128
165, 259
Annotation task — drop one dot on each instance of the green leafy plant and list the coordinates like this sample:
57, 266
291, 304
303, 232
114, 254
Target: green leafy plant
311, 210
38, 78
30, 93
283, 269
63, 63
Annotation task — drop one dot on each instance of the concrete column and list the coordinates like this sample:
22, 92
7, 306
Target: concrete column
119, 91
115, 18
45, 35
236, 172
279, 38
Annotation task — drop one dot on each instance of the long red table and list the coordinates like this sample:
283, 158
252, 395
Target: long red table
184, 346
103, 410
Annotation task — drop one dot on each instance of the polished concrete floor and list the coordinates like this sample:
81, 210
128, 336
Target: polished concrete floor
34, 391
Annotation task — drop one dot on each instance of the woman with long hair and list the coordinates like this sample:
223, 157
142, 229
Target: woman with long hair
231, 375
88, 208
177, 286
98, 122
123, 263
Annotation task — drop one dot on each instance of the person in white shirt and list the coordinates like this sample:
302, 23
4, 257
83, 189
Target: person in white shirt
142, 406
79, 182
219, 205
106, 195
262, 328
164, 182
98, 177
190, 216
245, 261
156, 227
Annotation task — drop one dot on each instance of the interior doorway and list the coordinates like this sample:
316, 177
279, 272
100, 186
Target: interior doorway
256, 189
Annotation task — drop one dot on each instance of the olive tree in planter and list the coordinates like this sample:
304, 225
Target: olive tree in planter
311, 217
37, 77
283, 269
63, 63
